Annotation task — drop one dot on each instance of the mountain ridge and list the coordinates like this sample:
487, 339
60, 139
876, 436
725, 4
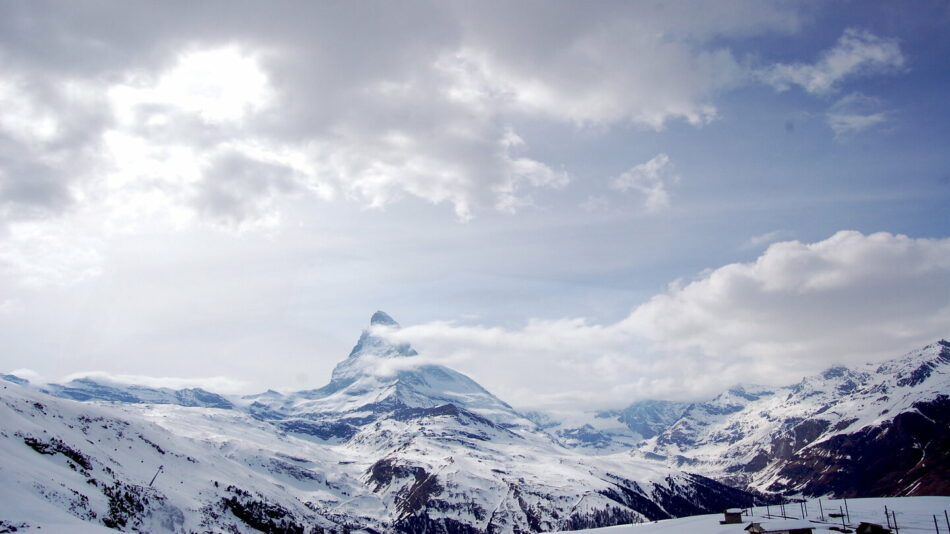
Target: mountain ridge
380, 450
726, 438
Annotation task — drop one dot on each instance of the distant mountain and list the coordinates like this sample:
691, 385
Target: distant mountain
875, 430
391, 444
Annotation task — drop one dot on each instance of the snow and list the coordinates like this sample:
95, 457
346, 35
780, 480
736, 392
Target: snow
402, 424
204, 451
914, 515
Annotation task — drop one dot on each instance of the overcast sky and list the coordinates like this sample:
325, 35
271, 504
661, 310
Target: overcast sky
578, 204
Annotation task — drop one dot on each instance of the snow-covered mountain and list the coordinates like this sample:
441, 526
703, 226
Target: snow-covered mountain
611, 431
875, 430
390, 444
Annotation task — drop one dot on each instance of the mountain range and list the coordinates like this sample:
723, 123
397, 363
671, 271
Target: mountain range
391, 444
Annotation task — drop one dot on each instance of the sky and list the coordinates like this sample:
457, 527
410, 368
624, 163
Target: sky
580, 205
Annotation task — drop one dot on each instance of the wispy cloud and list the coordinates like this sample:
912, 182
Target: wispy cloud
764, 239
652, 180
855, 113
857, 53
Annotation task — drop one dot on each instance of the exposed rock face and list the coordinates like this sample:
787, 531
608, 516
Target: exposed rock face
907, 455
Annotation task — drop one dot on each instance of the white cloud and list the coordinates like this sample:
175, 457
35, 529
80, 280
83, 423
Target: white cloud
855, 113
797, 309
651, 179
378, 112
857, 53
217, 85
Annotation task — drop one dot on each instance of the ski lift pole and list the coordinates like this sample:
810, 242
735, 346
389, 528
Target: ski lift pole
821, 511
156, 475
846, 512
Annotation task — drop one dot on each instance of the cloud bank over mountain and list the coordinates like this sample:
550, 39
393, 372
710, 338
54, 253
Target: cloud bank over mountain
799, 307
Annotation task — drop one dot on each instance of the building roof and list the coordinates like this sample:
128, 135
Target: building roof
735, 511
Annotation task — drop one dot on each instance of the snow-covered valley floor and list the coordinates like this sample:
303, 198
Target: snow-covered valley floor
915, 515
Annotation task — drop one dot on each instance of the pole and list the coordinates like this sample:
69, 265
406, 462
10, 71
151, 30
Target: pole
768, 511
802, 506
841, 512
782, 505
821, 510
887, 515
948, 520
805, 503
846, 512
894, 515
935, 524
156, 475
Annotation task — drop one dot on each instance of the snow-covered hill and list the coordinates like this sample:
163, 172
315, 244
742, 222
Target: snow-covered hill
390, 444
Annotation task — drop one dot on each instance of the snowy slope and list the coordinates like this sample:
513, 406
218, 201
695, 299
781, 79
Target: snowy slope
914, 514
388, 445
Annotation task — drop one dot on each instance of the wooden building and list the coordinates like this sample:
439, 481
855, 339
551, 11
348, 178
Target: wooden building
732, 516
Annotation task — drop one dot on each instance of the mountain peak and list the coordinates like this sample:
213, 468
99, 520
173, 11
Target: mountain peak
382, 318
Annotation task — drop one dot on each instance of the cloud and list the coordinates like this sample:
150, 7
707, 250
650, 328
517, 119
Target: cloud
798, 308
855, 113
857, 53
123, 120
367, 108
236, 188
44, 253
44, 154
764, 239
651, 179
850, 297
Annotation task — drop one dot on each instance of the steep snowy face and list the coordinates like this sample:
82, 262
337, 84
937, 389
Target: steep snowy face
370, 353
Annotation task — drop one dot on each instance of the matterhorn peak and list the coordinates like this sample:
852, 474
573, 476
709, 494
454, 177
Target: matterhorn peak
382, 318
374, 343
